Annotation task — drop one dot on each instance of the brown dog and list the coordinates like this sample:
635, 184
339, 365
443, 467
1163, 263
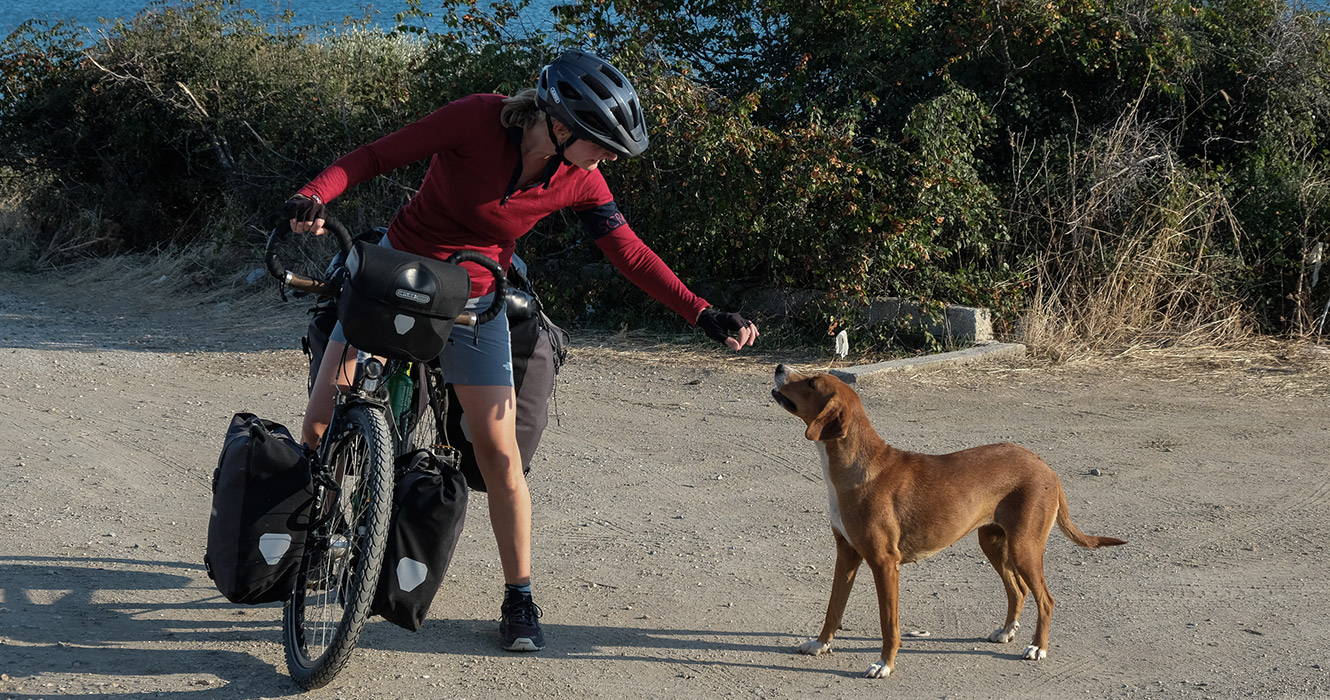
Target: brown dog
890, 507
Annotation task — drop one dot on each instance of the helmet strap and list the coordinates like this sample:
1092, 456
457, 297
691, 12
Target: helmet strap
553, 165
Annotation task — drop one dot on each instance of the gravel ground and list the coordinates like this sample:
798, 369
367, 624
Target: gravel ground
681, 540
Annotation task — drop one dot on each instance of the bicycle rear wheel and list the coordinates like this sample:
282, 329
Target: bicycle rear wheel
340, 571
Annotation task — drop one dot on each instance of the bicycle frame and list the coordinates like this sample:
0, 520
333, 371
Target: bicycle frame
426, 394
430, 401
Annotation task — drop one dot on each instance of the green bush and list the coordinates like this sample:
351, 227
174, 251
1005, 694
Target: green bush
1009, 155
192, 122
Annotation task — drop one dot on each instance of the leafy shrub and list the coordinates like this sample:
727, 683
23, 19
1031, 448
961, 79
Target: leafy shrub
1164, 163
192, 122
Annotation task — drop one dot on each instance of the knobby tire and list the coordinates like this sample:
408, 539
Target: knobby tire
321, 623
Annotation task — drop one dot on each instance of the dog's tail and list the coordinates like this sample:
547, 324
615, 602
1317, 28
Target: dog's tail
1074, 534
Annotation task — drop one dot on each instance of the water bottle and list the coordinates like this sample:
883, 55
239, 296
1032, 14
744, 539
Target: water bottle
399, 391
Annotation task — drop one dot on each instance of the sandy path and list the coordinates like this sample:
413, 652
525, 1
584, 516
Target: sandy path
681, 543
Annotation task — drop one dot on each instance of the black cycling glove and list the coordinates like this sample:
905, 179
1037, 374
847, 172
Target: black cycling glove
719, 325
302, 208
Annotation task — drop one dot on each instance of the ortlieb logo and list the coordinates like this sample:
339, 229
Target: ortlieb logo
412, 296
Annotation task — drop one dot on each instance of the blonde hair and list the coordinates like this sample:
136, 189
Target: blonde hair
520, 110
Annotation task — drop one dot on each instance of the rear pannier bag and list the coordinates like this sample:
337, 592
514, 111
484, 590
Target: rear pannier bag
262, 500
429, 509
398, 304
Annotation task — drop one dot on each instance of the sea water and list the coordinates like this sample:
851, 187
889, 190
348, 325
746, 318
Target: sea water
89, 13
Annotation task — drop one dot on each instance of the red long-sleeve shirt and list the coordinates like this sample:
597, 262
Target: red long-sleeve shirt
461, 204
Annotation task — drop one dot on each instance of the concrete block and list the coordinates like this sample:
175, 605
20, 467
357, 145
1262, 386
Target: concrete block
962, 323
982, 352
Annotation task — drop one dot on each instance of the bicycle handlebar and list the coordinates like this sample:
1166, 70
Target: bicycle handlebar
322, 288
329, 288
500, 286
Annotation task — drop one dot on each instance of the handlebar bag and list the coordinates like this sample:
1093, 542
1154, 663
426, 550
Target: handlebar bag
262, 503
429, 508
398, 304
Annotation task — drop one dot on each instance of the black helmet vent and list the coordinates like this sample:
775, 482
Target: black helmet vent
621, 115
568, 91
601, 91
613, 76
594, 120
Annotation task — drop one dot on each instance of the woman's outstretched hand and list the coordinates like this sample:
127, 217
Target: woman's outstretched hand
719, 325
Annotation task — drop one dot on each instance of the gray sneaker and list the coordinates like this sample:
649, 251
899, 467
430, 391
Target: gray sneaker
519, 623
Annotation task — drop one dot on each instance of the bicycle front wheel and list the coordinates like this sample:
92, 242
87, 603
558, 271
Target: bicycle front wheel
322, 621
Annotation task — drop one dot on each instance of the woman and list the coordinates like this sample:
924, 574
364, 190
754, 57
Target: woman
497, 166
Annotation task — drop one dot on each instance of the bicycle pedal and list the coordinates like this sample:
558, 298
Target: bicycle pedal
447, 453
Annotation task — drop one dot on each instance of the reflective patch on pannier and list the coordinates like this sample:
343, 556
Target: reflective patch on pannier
411, 573
273, 545
403, 324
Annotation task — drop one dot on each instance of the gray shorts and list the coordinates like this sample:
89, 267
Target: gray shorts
481, 356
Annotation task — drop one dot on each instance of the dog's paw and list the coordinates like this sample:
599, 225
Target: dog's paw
1034, 653
879, 669
813, 647
1002, 635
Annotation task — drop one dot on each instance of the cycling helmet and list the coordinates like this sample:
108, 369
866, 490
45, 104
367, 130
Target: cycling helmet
595, 101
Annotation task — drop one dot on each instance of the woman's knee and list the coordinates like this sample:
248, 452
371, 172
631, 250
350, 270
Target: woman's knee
501, 468
489, 413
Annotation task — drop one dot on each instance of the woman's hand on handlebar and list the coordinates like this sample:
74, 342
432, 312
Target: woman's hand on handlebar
306, 214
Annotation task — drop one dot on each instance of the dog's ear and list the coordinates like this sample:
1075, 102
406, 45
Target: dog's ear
829, 424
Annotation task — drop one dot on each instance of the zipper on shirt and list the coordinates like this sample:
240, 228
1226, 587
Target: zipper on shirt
515, 138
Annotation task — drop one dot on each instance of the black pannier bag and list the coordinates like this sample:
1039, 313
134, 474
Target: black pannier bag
398, 304
429, 509
262, 501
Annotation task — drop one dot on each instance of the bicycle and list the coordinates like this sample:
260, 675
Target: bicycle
394, 405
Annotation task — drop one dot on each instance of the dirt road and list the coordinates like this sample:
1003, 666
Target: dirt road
682, 548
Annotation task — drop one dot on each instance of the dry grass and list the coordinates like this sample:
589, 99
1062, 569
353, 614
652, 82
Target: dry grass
18, 229
169, 294
1132, 263
1252, 354
154, 281
25, 244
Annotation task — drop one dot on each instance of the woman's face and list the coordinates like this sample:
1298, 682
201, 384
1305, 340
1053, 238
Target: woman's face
587, 155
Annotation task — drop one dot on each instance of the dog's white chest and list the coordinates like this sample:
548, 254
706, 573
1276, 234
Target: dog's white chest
833, 505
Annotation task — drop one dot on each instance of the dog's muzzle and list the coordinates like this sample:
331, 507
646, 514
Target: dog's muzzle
782, 377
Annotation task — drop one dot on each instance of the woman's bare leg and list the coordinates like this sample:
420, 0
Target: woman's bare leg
491, 414
335, 374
